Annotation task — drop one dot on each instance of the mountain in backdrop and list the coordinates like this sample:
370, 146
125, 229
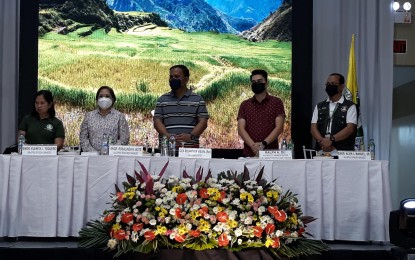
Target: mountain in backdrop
65, 16
254, 9
277, 26
188, 15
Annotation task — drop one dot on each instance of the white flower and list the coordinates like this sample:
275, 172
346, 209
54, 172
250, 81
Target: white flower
167, 220
195, 207
188, 226
153, 222
112, 243
232, 214
248, 221
261, 209
172, 211
159, 201
172, 235
134, 236
238, 232
278, 233
158, 186
219, 227
236, 202
118, 218
239, 241
226, 201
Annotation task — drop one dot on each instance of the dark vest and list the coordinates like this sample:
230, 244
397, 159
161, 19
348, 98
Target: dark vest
339, 122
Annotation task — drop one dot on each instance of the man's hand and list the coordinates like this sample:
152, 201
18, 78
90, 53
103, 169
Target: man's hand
326, 145
256, 147
183, 138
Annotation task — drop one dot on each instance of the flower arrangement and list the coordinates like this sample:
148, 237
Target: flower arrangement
230, 211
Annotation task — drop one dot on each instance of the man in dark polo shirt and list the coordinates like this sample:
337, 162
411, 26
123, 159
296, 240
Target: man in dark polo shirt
181, 112
260, 118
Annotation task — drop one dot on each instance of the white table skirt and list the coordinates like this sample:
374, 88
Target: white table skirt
54, 196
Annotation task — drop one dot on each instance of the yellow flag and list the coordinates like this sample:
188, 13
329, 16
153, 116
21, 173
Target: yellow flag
351, 74
354, 91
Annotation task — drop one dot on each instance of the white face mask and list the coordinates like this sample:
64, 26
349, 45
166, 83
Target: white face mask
104, 102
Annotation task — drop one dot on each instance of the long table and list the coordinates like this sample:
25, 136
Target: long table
55, 196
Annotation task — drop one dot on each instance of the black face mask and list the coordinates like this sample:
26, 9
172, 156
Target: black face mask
175, 84
332, 90
257, 87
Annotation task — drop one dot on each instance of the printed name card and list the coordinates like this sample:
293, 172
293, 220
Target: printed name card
195, 152
125, 150
353, 155
276, 154
31, 149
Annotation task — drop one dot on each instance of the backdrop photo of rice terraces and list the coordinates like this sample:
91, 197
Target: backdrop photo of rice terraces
130, 46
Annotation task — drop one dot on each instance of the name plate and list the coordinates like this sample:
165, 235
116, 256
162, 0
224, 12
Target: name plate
125, 150
195, 152
276, 154
40, 149
353, 155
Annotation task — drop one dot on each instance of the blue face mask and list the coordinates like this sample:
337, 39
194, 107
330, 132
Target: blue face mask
175, 84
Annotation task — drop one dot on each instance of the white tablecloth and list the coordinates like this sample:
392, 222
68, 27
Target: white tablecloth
54, 196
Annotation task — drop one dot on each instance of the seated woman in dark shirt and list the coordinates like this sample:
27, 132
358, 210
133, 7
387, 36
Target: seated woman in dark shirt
41, 126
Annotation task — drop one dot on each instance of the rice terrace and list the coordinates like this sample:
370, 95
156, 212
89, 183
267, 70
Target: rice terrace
135, 63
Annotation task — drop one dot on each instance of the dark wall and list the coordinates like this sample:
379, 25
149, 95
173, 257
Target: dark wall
29, 19
301, 95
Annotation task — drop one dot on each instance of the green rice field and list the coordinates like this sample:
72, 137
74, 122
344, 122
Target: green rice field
136, 65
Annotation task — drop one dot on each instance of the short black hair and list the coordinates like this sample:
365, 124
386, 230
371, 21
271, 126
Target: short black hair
341, 77
109, 89
49, 98
185, 70
260, 72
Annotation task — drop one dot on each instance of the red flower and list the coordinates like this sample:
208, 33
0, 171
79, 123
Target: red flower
280, 216
109, 217
222, 196
203, 210
222, 216
181, 198
137, 227
120, 196
270, 228
275, 242
119, 234
223, 240
178, 213
180, 238
301, 231
149, 235
293, 209
203, 193
258, 231
127, 217
195, 233
272, 209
